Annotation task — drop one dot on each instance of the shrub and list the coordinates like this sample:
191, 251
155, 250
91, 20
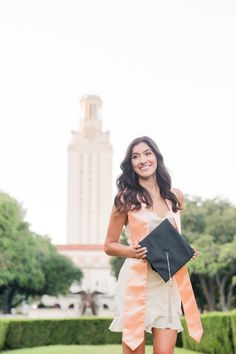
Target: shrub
32, 333
219, 333
3, 331
233, 325
217, 337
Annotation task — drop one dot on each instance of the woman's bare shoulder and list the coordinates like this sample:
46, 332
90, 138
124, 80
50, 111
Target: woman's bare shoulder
119, 215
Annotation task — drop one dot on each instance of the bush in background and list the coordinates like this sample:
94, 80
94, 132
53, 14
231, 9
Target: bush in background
219, 333
3, 331
217, 337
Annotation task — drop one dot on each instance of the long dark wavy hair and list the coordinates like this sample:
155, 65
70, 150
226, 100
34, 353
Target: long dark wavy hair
130, 193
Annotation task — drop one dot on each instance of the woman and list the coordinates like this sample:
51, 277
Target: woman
144, 302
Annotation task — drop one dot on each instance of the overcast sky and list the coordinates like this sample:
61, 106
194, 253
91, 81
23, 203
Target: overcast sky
162, 68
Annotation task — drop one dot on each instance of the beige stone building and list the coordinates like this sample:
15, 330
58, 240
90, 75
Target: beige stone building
89, 177
89, 201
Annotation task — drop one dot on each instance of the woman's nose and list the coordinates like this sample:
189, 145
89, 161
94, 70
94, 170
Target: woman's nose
142, 158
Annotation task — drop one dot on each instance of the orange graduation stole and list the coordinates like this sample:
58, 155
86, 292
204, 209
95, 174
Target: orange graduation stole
135, 300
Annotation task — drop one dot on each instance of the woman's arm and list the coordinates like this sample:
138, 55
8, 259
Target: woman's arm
112, 246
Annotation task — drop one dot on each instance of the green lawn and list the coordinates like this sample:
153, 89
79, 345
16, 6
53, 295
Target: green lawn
84, 349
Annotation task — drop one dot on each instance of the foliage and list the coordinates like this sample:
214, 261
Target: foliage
233, 326
219, 333
85, 349
217, 337
30, 264
3, 331
59, 272
31, 333
210, 225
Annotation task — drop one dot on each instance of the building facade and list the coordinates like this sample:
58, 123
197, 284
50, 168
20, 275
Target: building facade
89, 202
89, 178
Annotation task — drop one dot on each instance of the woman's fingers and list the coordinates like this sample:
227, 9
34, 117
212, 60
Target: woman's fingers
139, 251
142, 253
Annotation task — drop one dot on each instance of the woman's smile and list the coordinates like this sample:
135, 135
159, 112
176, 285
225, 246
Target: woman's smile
144, 161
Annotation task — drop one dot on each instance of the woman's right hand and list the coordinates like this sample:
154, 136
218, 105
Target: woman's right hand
137, 251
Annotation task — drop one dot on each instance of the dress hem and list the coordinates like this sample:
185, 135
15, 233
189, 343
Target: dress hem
160, 322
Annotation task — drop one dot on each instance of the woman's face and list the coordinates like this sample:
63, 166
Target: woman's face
143, 160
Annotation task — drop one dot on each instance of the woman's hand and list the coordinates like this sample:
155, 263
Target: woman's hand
137, 251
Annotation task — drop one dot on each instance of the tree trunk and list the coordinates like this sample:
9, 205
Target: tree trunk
221, 285
209, 292
7, 297
225, 294
25, 298
229, 295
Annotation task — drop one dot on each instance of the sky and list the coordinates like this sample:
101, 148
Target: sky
165, 69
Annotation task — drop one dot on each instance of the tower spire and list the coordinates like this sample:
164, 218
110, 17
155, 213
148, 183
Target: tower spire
90, 122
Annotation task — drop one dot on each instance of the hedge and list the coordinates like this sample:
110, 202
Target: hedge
33, 333
233, 325
219, 333
218, 337
23, 333
3, 331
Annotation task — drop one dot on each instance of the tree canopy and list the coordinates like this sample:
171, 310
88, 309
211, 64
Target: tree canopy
210, 225
29, 263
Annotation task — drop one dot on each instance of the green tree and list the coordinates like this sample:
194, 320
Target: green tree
210, 225
59, 272
15, 252
29, 263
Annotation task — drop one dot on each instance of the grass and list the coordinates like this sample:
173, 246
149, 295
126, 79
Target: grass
84, 349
